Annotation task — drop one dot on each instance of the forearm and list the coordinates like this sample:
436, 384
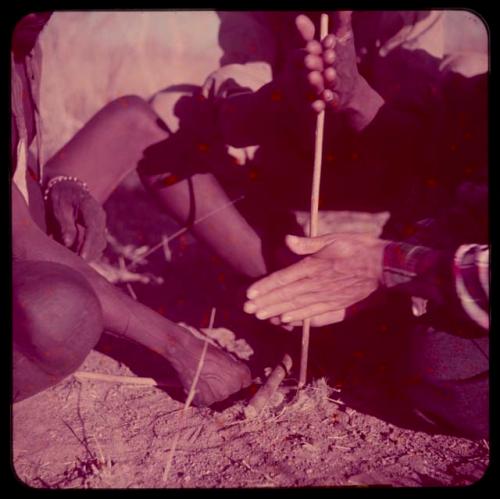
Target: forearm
122, 315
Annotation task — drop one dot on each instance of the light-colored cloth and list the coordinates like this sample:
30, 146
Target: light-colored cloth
25, 78
92, 58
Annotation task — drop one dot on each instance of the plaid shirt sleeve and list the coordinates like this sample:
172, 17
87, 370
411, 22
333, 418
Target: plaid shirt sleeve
468, 279
471, 272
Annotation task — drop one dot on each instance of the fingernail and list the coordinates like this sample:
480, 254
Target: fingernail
252, 293
249, 307
318, 106
328, 95
286, 318
263, 314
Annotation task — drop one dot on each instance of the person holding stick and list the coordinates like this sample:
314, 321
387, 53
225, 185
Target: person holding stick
434, 281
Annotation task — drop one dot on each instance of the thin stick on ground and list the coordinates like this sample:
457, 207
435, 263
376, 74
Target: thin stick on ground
182, 231
189, 399
313, 226
121, 263
131, 380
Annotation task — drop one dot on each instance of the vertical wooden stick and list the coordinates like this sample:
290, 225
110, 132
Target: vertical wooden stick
313, 226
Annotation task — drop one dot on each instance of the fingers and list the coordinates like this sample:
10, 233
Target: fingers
329, 42
320, 314
293, 296
316, 82
328, 57
307, 245
313, 62
64, 215
330, 76
94, 220
314, 47
282, 277
305, 27
321, 320
308, 298
322, 77
328, 318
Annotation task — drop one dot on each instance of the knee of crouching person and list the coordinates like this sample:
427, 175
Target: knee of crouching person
57, 317
135, 113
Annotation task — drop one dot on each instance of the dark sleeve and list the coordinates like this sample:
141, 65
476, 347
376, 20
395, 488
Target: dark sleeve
455, 282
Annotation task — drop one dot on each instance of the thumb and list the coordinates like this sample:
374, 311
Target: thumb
305, 27
341, 22
63, 214
307, 245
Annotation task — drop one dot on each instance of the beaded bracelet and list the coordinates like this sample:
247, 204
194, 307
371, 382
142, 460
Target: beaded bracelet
61, 178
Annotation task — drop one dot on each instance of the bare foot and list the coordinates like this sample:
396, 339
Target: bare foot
221, 375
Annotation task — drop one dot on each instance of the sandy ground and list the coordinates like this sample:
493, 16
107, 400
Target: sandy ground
96, 434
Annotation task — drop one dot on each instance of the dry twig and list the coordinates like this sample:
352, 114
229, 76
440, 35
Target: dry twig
266, 391
132, 380
170, 238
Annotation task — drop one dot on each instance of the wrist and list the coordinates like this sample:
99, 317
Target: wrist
364, 105
376, 260
51, 182
403, 262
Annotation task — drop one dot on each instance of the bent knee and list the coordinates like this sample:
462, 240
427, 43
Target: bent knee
57, 317
134, 112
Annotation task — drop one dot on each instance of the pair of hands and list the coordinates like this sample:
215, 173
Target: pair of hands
76, 219
340, 271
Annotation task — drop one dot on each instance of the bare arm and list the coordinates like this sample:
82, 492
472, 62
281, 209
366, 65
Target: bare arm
128, 318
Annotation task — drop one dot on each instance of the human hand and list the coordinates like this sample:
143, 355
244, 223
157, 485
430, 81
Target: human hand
220, 377
79, 220
340, 271
331, 63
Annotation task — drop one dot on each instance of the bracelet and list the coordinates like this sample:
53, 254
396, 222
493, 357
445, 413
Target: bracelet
61, 178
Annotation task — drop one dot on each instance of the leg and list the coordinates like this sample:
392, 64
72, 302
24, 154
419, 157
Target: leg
447, 380
109, 146
173, 171
112, 144
57, 320
221, 375
225, 230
